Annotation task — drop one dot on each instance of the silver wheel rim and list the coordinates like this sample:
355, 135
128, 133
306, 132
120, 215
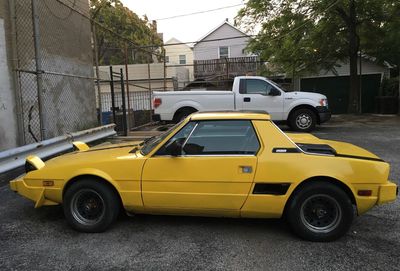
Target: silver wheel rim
303, 121
320, 213
87, 207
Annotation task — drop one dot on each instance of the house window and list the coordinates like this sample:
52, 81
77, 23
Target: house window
223, 52
182, 59
166, 59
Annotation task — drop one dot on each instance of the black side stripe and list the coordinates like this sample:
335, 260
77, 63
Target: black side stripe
271, 188
295, 150
360, 157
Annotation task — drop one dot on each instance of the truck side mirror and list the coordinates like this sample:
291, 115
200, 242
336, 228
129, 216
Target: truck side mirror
274, 92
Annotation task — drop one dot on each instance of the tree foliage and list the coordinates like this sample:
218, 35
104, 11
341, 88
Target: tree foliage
123, 29
304, 36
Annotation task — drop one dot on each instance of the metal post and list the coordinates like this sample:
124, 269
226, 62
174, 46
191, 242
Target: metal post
15, 65
149, 77
165, 73
39, 70
112, 94
124, 127
127, 88
360, 109
96, 59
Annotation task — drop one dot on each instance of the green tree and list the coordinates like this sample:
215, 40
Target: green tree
128, 30
303, 36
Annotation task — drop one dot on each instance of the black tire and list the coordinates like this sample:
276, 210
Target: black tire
90, 206
320, 212
183, 114
302, 120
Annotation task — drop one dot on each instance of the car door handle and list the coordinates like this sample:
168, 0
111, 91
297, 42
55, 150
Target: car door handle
246, 169
246, 99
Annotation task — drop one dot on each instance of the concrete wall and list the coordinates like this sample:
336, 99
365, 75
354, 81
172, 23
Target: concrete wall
210, 50
138, 75
65, 49
8, 109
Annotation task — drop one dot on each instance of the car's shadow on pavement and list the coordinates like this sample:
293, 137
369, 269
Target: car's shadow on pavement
53, 217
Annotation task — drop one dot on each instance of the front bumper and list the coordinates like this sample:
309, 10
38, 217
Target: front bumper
36, 194
324, 114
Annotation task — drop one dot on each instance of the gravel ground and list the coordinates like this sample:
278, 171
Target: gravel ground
40, 239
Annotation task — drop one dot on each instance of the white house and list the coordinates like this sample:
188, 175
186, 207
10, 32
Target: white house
225, 41
179, 61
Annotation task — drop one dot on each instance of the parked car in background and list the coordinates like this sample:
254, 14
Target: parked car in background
233, 164
302, 111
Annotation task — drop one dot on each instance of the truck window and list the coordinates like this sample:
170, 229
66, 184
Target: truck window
255, 86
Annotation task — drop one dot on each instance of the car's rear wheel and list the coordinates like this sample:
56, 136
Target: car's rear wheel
90, 206
320, 212
303, 120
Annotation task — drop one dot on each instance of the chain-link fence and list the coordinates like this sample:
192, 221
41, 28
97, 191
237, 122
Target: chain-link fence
63, 56
54, 68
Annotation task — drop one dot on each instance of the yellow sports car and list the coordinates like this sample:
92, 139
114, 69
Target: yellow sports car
234, 164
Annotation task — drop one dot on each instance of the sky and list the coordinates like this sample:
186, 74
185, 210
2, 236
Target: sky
189, 28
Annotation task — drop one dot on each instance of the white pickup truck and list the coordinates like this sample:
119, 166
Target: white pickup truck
300, 110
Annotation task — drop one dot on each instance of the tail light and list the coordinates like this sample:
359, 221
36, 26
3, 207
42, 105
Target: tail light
157, 102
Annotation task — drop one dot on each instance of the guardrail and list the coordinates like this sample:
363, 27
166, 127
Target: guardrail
14, 158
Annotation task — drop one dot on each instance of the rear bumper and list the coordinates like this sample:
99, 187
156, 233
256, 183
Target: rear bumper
36, 194
324, 114
387, 192
156, 117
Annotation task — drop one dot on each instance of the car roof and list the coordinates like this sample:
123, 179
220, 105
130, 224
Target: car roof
225, 115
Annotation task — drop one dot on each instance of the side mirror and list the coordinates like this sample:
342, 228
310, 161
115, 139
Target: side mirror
175, 147
191, 148
274, 92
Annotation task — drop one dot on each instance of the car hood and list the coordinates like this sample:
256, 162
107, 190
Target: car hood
96, 154
340, 149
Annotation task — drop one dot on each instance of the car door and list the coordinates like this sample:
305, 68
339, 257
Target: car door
258, 94
214, 172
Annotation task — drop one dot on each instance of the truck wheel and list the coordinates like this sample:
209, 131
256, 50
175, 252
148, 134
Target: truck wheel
320, 212
90, 206
303, 120
182, 115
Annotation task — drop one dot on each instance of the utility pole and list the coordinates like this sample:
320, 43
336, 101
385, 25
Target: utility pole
96, 59
39, 70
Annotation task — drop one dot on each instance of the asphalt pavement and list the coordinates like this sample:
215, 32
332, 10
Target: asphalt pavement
40, 239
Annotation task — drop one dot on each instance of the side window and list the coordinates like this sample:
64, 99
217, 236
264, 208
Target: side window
222, 137
223, 52
256, 86
182, 135
182, 59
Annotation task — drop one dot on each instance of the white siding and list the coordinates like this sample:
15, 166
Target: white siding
184, 73
210, 50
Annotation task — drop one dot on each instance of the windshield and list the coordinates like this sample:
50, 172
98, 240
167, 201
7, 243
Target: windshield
150, 143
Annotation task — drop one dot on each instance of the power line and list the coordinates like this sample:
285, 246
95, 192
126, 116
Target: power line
250, 36
198, 12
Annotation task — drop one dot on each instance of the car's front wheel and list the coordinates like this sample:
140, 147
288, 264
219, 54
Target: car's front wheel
90, 205
320, 212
